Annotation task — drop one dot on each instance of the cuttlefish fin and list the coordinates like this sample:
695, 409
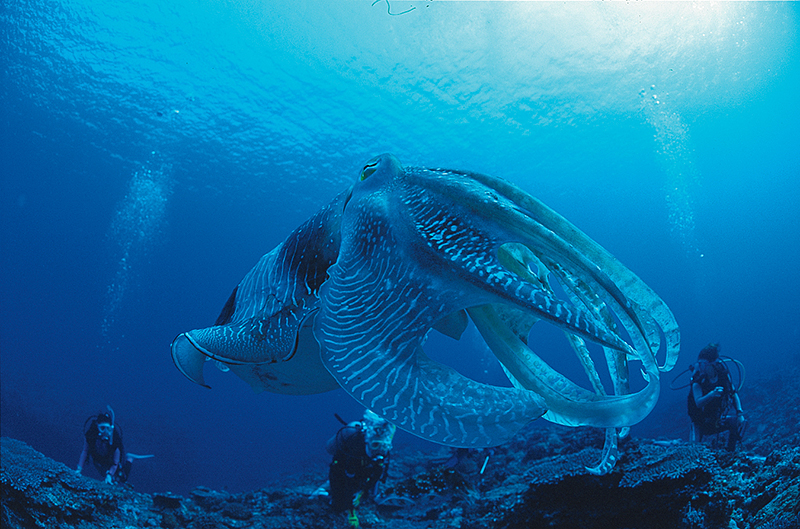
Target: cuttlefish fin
453, 325
189, 358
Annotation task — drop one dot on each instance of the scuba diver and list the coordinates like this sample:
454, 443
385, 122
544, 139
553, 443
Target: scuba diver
103, 444
360, 453
713, 399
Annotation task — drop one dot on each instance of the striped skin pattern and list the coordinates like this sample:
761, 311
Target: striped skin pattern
472, 250
378, 307
349, 298
267, 341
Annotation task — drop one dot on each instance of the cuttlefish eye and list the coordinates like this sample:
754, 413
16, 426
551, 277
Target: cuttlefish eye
370, 168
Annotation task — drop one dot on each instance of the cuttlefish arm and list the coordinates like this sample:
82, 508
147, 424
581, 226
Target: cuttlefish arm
630, 298
506, 330
417, 246
350, 296
567, 403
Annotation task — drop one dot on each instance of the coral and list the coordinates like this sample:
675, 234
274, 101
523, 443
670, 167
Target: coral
39, 492
651, 463
208, 499
237, 511
434, 481
537, 480
166, 501
650, 488
169, 521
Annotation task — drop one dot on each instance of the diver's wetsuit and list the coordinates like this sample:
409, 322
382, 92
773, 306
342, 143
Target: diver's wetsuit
352, 470
108, 458
713, 418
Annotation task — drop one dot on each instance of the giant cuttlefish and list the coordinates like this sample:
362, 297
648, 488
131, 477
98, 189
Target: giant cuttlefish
348, 299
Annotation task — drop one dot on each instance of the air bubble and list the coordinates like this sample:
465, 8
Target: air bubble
136, 225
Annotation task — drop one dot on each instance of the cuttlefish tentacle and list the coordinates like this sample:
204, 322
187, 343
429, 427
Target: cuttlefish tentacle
616, 361
459, 228
632, 288
518, 218
584, 291
519, 259
567, 403
643, 314
609, 456
351, 295
560, 385
610, 453
377, 307
417, 246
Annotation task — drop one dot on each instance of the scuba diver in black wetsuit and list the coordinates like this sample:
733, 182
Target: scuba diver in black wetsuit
713, 399
103, 444
360, 453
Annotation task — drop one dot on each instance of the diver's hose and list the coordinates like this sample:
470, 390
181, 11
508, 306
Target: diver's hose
739, 368
679, 375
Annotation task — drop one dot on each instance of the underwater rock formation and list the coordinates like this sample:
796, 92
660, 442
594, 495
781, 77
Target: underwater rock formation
538, 479
655, 485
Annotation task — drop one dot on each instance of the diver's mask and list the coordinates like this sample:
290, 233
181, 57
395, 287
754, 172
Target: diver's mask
378, 433
378, 449
105, 431
105, 425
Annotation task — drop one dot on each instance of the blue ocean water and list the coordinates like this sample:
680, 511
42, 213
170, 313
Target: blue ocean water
152, 152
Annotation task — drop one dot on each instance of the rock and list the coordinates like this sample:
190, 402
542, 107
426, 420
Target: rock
166, 501
208, 499
39, 492
536, 480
